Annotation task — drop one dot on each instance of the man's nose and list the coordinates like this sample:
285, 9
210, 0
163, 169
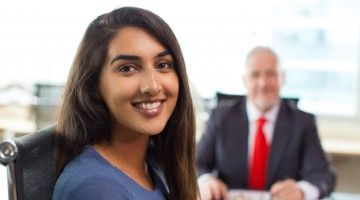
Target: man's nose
262, 80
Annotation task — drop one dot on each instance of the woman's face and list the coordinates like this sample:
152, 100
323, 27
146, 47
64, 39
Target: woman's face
138, 83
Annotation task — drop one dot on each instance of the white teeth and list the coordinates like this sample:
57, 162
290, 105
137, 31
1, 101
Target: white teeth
149, 106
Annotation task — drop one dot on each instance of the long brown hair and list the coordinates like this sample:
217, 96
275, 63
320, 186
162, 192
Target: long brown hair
84, 118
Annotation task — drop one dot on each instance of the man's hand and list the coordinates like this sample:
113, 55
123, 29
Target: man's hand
211, 188
286, 189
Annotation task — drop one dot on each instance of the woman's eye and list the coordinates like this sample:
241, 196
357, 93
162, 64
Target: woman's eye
165, 65
127, 68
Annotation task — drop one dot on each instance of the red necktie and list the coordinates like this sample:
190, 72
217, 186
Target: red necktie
257, 175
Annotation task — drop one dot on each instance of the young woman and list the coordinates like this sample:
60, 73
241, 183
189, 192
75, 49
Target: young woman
126, 127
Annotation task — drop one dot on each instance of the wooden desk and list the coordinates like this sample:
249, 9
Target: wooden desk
240, 194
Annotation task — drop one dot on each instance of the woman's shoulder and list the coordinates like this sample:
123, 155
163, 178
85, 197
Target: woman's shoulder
84, 164
91, 188
88, 176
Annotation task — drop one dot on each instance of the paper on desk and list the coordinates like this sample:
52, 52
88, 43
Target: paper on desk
248, 195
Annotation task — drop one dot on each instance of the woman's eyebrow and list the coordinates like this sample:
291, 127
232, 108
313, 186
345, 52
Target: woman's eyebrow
124, 57
133, 57
162, 54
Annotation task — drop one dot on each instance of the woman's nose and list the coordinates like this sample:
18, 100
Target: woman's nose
150, 83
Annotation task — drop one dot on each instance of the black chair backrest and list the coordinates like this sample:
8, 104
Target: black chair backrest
32, 166
223, 98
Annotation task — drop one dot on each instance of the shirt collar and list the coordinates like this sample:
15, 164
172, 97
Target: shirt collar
254, 113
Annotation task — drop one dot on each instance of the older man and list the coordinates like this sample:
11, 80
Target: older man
262, 142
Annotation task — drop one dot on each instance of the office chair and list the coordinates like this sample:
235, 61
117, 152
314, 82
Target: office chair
29, 161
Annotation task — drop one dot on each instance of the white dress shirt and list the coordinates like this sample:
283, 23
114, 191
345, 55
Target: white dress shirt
309, 190
269, 126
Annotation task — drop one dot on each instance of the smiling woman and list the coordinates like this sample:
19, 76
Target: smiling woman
138, 79
126, 126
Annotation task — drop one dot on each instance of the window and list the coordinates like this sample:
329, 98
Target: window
319, 43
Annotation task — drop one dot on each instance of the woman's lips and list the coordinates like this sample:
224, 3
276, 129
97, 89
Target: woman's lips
149, 108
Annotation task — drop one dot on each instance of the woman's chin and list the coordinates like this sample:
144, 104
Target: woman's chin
153, 131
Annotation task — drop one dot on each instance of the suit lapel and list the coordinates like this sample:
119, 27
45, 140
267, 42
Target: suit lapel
242, 138
278, 145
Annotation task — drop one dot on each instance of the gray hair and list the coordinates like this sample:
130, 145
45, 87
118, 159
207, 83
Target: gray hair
260, 49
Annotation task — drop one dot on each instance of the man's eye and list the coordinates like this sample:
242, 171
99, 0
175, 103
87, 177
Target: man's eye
271, 73
255, 75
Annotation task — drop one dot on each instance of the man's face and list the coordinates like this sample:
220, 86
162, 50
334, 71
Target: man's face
262, 80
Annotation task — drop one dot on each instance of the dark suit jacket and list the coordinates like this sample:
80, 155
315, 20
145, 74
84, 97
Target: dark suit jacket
295, 149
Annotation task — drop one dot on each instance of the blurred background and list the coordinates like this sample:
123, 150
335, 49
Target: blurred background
318, 42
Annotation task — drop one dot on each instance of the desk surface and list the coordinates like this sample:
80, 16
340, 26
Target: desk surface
263, 195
